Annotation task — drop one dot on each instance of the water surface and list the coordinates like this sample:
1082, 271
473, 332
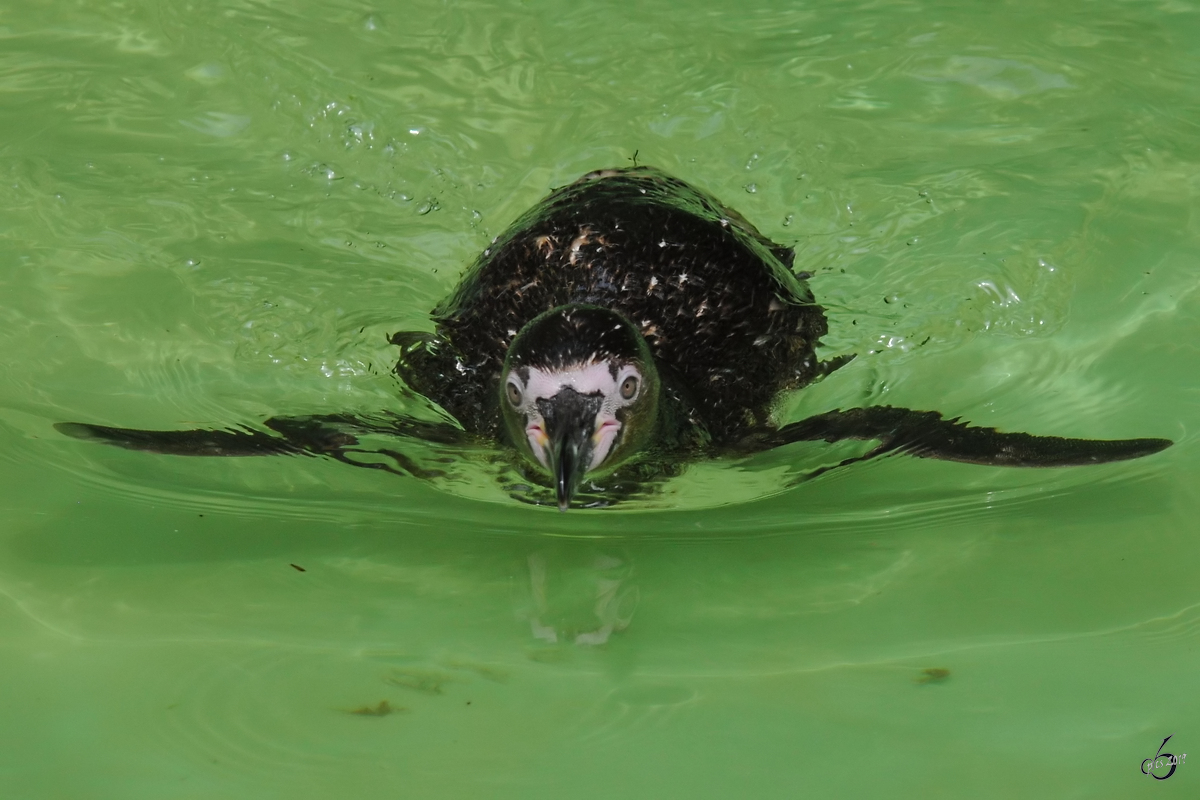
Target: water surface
211, 214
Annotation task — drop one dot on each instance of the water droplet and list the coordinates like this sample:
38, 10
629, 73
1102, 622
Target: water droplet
751, 188
787, 221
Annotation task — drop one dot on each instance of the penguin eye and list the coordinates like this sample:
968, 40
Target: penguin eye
629, 387
514, 394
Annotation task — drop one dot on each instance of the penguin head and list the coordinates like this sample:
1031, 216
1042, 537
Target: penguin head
579, 393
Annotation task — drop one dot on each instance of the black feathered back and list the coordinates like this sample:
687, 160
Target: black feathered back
729, 325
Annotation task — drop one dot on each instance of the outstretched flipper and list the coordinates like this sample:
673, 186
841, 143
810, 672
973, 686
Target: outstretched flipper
926, 434
330, 435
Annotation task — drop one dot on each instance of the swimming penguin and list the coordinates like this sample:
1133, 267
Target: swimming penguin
625, 325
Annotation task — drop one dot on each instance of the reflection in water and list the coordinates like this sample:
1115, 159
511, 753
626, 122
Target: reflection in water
559, 601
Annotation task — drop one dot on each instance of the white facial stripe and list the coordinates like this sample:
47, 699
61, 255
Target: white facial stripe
589, 378
536, 433
602, 440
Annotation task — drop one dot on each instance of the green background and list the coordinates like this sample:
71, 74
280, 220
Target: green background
215, 212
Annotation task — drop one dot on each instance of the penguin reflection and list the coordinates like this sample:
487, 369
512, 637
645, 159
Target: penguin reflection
582, 605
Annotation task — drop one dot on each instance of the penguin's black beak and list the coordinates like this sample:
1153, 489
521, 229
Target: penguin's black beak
570, 420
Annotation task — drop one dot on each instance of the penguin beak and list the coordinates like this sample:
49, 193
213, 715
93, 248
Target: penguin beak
570, 420
568, 462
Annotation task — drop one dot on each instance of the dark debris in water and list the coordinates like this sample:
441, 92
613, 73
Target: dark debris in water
382, 709
933, 675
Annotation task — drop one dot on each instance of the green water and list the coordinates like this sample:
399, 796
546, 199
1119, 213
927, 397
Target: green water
212, 213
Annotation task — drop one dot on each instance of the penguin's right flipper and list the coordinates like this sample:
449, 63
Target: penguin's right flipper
332, 435
236, 442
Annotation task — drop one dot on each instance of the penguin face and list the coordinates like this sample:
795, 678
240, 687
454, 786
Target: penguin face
579, 393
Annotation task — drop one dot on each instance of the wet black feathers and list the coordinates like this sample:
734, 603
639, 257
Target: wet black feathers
577, 336
728, 323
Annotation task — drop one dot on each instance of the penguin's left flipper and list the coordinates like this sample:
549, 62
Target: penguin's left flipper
926, 434
330, 435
